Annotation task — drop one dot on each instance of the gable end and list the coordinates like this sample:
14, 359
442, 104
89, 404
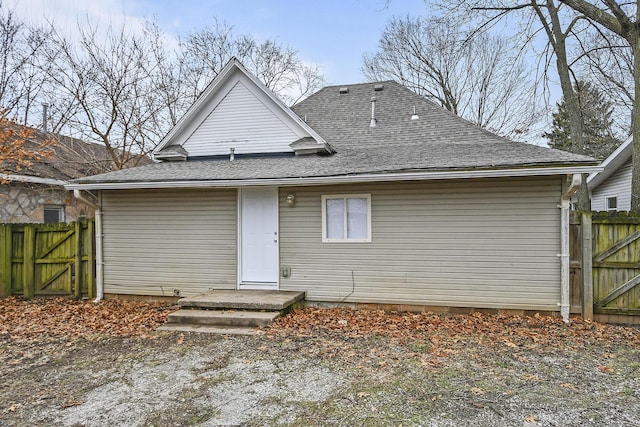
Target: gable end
238, 114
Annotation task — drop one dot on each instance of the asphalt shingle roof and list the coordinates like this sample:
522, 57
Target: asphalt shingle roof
437, 141
70, 158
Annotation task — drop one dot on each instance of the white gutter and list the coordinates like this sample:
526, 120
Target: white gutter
341, 179
99, 263
565, 303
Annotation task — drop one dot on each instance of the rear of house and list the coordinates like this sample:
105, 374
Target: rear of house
468, 243
350, 196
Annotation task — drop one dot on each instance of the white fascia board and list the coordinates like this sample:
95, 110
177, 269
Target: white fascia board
32, 179
340, 179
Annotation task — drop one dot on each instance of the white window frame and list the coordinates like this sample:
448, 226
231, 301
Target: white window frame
345, 197
59, 208
606, 203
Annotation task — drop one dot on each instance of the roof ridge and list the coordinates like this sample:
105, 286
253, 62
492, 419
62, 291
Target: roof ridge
361, 84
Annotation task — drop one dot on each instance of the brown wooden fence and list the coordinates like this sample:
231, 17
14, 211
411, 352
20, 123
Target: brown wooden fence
48, 259
605, 266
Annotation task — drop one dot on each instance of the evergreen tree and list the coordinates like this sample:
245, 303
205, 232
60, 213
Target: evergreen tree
599, 139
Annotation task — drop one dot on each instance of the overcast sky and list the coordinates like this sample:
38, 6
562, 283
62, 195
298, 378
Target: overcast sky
331, 33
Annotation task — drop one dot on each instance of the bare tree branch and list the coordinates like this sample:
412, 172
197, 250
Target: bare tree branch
479, 78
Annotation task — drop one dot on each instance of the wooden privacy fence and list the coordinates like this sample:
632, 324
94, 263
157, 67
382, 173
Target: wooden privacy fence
48, 259
605, 266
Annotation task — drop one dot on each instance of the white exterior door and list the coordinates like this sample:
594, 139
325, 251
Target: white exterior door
259, 238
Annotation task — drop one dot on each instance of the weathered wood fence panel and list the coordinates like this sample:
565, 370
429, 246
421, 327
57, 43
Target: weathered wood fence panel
616, 264
47, 259
575, 266
606, 256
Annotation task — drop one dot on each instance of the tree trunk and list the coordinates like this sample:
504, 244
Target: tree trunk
570, 99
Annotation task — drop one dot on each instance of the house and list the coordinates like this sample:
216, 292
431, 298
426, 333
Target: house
360, 194
37, 195
610, 189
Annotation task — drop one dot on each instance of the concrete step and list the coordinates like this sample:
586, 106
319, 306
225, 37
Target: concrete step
208, 329
243, 300
223, 318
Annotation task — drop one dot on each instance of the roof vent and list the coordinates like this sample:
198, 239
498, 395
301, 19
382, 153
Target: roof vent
45, 116
378, 88
415, 116
344, 89
373, 122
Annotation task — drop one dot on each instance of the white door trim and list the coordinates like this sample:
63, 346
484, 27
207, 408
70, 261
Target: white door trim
241, 284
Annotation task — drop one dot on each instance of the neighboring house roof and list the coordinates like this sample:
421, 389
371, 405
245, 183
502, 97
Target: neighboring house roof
611, 164
437, 145
71, 158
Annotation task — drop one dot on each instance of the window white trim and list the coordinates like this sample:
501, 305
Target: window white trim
607, 206
345, 197
59, 209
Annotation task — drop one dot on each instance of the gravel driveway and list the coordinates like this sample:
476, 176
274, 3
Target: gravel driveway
326, 376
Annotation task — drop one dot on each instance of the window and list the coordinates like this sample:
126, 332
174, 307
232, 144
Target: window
346, 218
53, 214
611, 203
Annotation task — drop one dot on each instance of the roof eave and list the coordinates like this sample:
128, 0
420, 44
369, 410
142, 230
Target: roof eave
611, 164
340, 179
32, 179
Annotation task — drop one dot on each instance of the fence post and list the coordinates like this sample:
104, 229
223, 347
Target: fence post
28, 266
587, 266
6, 252
77, 290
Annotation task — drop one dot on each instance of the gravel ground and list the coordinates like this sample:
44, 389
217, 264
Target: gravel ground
319, 377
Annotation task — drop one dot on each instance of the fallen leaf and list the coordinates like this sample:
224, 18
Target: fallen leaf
606, 369
477, 391
510, 343
70, 403
531, 419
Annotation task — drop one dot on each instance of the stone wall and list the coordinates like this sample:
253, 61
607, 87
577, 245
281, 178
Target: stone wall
24, 203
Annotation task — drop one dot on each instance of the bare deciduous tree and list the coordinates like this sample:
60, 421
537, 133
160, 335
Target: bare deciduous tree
478, 77
535, 17
20, 80
608, 61
279, 67
124, 87
108, 81
621, 18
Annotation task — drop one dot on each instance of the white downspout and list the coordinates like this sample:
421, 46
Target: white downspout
565, 303
99, 275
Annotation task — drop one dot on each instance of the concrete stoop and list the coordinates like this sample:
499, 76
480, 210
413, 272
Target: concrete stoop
231, 312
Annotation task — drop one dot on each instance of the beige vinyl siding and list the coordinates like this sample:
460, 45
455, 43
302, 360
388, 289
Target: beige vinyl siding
243, 122
618, 185
479, 243
156, 241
